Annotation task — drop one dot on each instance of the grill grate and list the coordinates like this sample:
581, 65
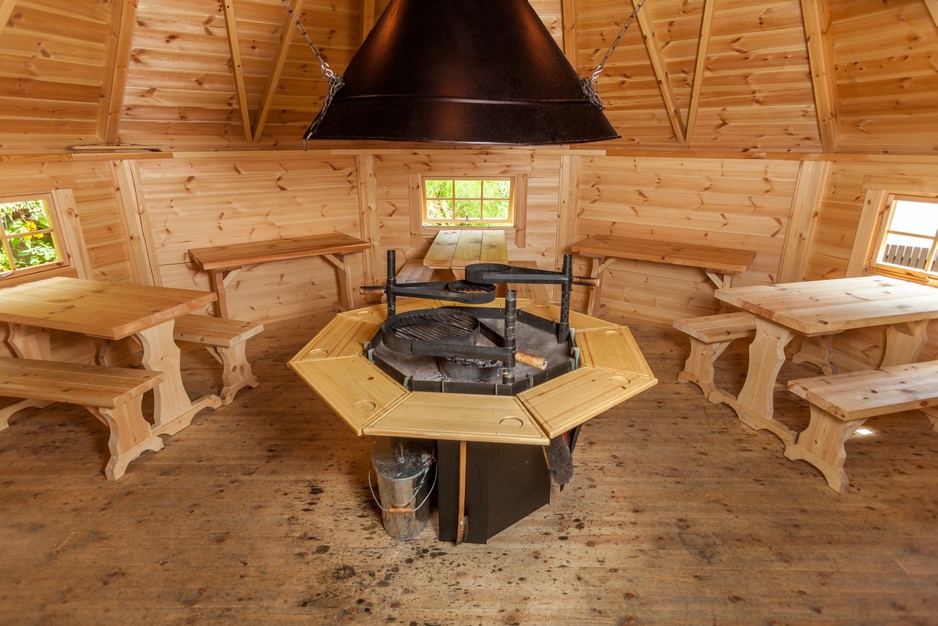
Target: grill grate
432, 325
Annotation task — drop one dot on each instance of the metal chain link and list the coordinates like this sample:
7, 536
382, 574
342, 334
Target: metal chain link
589, 84
336, 82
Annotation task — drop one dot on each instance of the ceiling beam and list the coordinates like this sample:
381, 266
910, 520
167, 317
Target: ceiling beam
700, 66
568, 19
933, 9
120, 38
656, 57
368, 17
6, 10
273, 75
234, 47
817, 24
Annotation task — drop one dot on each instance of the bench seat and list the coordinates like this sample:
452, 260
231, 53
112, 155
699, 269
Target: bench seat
414, 271
112, 394
226, 340
840, 403
709, 337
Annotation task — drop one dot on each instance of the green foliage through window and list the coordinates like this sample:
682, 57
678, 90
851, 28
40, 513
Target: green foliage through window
467, 202
26, 233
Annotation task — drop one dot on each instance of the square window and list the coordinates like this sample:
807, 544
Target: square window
467, 202
908, 241
28, 241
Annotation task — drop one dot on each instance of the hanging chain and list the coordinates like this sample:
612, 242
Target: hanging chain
589, 85
335, 81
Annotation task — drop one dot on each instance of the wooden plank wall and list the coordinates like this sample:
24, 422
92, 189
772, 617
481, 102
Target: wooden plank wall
220, 199
841, 217
726, 203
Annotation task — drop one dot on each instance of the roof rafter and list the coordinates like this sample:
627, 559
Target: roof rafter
817, 24
273, 76
231, 28
933, 9
6, 10
119, 48
700, 66
368, 17
568, 17
653, 46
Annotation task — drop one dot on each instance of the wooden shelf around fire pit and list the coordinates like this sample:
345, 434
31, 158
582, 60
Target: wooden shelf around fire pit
612, 369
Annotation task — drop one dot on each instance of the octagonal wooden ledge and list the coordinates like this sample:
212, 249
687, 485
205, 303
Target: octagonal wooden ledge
333, 364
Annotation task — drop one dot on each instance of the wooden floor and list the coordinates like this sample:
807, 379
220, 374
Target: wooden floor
260, 513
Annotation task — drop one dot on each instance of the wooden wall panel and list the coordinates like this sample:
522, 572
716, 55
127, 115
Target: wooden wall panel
738, 204
204, 201
838, 222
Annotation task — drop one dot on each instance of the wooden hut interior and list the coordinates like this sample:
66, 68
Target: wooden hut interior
193, 294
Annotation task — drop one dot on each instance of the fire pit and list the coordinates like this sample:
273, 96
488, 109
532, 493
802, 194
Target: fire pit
456, 365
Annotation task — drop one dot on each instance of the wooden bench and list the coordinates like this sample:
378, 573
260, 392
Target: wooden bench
720, 264
112, 394
224, 262
709, 337
226, 340
840, 403
414, 271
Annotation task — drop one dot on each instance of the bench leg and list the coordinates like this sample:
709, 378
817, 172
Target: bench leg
130, 435
8, 412
822, 445
932, 414
698, 368
236, 370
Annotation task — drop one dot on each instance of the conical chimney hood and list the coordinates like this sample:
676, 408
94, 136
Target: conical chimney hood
461, 71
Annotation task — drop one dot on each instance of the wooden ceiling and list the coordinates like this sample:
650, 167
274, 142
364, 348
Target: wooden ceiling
729, 76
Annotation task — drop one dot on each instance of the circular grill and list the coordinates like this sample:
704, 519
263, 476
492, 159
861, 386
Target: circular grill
465, 286
429, 327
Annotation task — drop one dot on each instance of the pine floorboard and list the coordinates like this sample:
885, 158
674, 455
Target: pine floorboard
260, 513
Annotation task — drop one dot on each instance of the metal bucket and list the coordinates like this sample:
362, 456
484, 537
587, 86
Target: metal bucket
403, 469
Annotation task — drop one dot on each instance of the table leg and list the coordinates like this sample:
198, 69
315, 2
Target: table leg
219, 280
819, 352
27, 342
344, 273
755, 403
904, 342
172, 409
597, 266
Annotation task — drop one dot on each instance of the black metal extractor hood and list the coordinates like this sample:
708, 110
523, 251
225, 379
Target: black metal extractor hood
461, 71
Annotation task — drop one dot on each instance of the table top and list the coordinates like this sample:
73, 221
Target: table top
96, 308
822, 307
459, 248
233, 255
723, 260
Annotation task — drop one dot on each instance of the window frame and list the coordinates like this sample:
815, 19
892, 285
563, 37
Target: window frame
875, 265
481, 222
419, 233
73, 259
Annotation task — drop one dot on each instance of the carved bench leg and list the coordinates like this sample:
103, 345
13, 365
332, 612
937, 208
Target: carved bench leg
822, 445
932, 414
698, 368
236, 371
130, 435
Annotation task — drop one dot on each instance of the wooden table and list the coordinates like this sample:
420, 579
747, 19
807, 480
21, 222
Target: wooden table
109, 312
225, 261
719, 264
455, 249
822, 309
